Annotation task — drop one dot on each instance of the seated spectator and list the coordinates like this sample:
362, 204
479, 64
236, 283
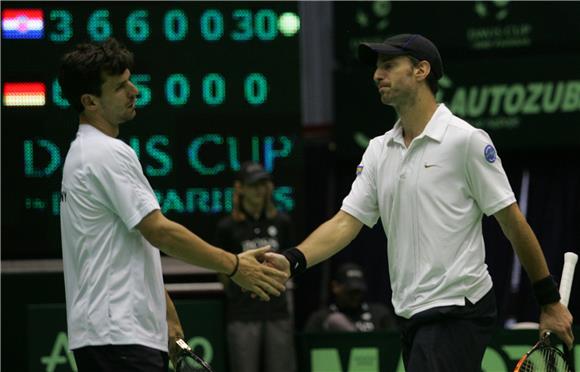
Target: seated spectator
349, 312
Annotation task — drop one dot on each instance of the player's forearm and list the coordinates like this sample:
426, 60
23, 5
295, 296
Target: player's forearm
329, 238
529, 252
524, 242
172, 317
177, 241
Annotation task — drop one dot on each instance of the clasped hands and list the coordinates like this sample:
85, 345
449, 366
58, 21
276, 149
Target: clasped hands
262, 272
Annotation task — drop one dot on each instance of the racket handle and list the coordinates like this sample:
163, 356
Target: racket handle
570, 260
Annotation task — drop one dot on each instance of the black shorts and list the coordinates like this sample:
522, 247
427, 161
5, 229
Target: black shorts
120, 358
449, 338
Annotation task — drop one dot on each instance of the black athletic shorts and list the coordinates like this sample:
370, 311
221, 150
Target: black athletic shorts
120, 358
449, 338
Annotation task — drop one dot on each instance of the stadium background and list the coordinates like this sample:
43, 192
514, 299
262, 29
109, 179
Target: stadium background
278, 82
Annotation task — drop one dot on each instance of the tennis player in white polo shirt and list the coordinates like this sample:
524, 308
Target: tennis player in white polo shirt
119, 316
430, 179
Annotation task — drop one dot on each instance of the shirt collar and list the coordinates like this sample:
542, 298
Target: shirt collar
435, 128
397, 135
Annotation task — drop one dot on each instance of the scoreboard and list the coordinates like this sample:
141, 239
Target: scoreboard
219, 85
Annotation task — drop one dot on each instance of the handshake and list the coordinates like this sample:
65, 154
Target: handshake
262, 272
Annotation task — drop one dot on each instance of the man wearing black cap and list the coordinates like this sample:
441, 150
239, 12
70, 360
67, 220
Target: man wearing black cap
260, 334
349, 312
430, 179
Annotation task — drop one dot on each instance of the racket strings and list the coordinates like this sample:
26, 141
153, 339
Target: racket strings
544, 360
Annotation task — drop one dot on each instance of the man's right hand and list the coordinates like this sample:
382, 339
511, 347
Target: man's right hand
277, 261
263, 280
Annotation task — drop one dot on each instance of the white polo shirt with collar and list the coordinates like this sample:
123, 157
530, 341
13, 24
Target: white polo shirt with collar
431, 198
113, 276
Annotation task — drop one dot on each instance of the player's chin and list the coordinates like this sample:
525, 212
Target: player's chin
131, 114
386, 100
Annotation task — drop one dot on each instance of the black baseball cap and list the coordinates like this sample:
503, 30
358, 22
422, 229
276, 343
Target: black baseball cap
251, 172
351, 276
414, 45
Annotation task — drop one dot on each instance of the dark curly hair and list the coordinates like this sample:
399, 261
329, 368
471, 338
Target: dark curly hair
81, 70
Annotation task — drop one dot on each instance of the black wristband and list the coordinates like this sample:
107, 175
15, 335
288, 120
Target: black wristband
297, 261
236, 267
546, 291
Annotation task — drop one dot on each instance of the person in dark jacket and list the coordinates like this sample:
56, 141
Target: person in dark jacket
260, 334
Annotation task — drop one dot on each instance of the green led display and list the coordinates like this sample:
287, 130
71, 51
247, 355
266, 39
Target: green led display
32, 168
256, 89
213, 89
193, 153
266, 24
242, 25
262, 25
233, 145
214, 200
98, 25
177, 89
243, 17
140, 81
175, 25
164, 160
138, 26
219, 85
63, 25
212, 25
289, 24
270, 153
57, 97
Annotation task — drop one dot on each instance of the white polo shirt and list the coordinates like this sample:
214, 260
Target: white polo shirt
113, 278
431, 198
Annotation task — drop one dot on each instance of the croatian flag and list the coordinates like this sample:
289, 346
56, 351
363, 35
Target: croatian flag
24, 94
22, 24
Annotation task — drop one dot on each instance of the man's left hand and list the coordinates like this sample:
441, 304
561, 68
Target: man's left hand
175, 332
557, 319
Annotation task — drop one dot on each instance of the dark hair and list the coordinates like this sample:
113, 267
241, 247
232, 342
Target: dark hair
431, 79
82, 69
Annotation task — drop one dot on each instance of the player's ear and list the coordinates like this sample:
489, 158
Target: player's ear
89, 102
422, 70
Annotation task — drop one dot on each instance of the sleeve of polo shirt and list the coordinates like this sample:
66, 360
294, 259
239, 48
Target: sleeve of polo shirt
486, 178
127, 192
361, 202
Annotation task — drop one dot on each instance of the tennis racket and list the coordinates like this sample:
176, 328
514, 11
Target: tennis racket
544, 357
188, 361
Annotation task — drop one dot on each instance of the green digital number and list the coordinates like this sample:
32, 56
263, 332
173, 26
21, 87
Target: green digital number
144, 97
213, 89
64, 26
137, 26
98, 26
244, 18
266, 24
57, 97
212, 25
177, 90
256, 89
175, 25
